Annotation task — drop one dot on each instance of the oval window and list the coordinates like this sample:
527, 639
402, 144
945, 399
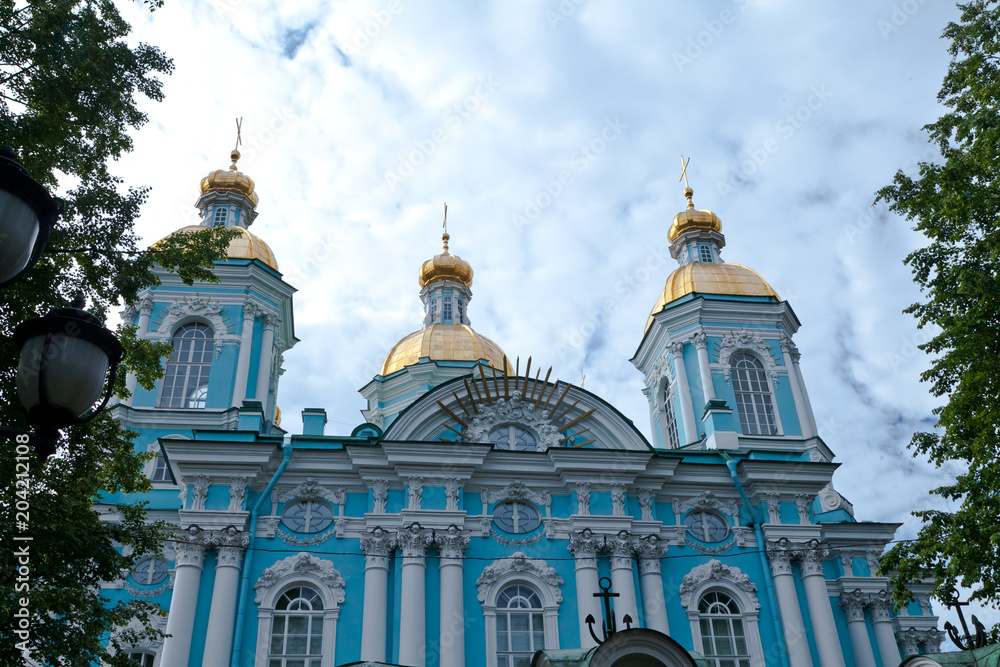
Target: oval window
707, 526
150, 571
514, 516
307, 516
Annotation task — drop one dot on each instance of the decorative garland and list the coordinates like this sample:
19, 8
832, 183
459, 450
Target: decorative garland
306, 541
711, 551
508, 542
147, 592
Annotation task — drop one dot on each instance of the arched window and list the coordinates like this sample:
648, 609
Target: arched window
297, 629
160, 473
753, 396
434, 310
723, 639
221, 215
670, 418
513, 437
446, 309
185, 381
705, 254
520, 627
141, 658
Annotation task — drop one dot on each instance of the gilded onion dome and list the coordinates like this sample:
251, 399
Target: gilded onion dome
707, 278
445, 267
244, 246
445, 282
231, 180
692, 219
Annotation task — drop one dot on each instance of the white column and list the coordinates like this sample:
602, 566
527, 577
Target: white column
649, 551
142, 327
796, 642
700, 341
412, 650
810, 417
452, 639
623, 579
266, 352
222, 614
377, 548
584, 547
788, 351
687, 412
820, 609
853, 604
885, 638
184, 600
250, 312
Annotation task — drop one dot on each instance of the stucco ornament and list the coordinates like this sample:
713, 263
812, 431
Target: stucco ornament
746, 341
514, 411
706, 501
518, 562
195, 308
659, 371
518, 490
311, 489
714, 570
299, 564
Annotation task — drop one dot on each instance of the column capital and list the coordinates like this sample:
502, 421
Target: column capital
812, 554
451, 544
873, 556
879, 603
380, 491
230, 536
677, 349
189, 546
128, 313
788, 346
618, 498
413, 542
773, 502
699, 340
583, 498
415, 490
146, 305
251, 310
621, 548
779, 555
377, 547
853, 604
649, 550
270, 321
229, 557
237, 490
584, 547
846, 561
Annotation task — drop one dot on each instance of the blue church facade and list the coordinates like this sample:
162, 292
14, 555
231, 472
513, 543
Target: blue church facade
473, 516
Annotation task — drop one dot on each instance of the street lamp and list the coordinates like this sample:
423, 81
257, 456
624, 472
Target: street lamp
27, 214
65, 358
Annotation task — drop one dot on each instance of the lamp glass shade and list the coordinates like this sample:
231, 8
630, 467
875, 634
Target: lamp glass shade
19, 226
69, 370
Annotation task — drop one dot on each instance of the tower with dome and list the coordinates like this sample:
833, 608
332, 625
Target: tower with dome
482, 509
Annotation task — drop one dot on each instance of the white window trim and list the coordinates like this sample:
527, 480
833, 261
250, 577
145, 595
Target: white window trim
170, 339
151, 463
154, 647
771, 382
715, 576
531, 572
301, 569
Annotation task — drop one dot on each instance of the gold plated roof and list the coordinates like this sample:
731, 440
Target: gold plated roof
693, 219
244, 246
445, 267
708, 278
443, 342
222, 180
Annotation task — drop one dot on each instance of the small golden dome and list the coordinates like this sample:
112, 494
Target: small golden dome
693, 219
443, 342
222, 180
445, 267
708, 278
244, 246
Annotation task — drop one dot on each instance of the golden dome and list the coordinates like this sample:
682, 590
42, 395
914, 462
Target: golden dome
445, 267
442, 342
694, 219
708, 278
222, 180
244, 246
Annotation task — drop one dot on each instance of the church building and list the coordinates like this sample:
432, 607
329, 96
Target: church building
486, 513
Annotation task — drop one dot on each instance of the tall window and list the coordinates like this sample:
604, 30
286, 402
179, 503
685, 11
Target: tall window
160, 474
753, 396
141, 658
185, 381
446, 309
297, 629
221, 215
520, 628
670, 418
723, 639
461, 311
434, 310
705, 253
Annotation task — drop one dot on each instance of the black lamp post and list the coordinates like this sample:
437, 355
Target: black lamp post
27, 214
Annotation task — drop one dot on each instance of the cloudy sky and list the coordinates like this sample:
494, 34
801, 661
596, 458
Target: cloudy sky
362, 117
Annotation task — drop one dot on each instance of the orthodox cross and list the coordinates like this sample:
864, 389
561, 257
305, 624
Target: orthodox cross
684, 172
239, 123
445, 223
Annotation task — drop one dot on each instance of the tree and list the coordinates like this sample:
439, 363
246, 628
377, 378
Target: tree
69, 88
955, 203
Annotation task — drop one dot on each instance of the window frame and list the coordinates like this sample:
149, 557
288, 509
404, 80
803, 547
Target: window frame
767, 393
710, 617
704, 249
162, 401
701, 511
220, 217
446, 309
714, 576
672, 437
311, 613
516, 502
507, 611
510, 426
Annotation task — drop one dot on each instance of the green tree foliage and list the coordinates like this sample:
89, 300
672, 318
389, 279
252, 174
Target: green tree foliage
955, 203
70, 84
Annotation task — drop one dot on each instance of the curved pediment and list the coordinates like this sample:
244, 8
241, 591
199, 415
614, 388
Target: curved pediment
544, 415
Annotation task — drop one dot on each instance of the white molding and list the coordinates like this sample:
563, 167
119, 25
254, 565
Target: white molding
713, 575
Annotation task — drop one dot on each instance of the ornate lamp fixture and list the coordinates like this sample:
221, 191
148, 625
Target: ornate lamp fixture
65, 358
27, 214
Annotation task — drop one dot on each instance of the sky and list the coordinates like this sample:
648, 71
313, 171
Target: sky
554, 129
